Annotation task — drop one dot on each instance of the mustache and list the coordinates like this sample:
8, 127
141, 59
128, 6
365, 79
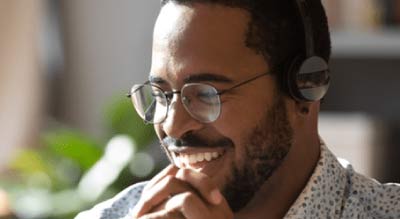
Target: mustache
191, 140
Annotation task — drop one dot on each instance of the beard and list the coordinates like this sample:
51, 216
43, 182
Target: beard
265, 149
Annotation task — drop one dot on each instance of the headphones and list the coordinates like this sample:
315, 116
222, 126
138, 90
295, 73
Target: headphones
307, 78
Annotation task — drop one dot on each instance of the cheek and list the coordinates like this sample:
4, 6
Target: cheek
236, 124
229, 122
238, 117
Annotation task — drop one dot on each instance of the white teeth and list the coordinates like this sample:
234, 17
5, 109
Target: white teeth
192, 158
198, 157
185, 159
207, 156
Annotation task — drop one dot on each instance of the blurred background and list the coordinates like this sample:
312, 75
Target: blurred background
70, 138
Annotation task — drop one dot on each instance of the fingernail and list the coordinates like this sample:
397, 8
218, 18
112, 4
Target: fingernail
216, 196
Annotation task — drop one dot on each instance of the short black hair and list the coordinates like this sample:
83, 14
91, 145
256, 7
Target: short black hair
276, 30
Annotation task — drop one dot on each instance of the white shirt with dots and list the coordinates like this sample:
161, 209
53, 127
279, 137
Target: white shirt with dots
334, 191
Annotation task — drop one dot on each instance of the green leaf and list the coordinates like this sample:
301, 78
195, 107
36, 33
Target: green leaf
122, 118
29, 162
74, 146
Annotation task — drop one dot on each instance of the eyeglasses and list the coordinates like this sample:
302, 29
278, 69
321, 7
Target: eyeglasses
201, 101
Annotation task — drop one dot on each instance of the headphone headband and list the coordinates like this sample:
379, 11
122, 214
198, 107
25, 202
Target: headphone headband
307, 24
308, 77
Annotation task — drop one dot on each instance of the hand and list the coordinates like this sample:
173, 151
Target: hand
181, 193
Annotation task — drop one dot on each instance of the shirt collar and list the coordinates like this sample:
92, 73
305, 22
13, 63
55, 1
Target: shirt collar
324, 192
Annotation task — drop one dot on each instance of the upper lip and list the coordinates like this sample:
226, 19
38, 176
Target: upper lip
193, 150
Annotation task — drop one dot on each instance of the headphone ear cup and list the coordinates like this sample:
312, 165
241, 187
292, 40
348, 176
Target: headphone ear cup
290, 79
308, 80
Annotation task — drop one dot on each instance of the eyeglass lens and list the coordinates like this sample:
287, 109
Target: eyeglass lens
201, 101
150, 103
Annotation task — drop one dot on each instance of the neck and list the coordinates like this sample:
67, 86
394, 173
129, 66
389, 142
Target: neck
278, 193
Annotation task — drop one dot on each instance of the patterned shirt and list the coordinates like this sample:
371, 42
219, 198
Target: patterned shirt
333, 191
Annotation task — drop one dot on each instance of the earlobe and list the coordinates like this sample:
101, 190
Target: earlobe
303, 108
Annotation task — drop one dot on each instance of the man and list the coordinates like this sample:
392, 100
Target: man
234, 94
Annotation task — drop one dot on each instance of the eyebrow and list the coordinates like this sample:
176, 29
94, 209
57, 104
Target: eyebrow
196, 78
207, 77
156, 80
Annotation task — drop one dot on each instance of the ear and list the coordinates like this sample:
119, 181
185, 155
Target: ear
306, 108
301, 111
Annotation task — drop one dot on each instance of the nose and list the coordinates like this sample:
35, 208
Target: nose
178, 121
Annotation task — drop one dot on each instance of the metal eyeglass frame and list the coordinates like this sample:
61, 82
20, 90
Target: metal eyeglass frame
169, 94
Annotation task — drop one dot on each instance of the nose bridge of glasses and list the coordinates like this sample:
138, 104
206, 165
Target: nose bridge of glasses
172, 99
170, 95
177, 111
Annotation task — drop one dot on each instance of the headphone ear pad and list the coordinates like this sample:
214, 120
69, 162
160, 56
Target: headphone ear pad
308, 80
290, 78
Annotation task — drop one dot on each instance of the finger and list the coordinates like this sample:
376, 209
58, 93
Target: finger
164, 214
189, 204
160, 192
202, 183
169, 170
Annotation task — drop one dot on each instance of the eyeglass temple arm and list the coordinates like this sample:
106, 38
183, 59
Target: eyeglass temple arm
129, 94
242, 83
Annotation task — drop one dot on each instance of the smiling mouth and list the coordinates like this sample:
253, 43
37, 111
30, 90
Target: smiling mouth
200, 159
195, 158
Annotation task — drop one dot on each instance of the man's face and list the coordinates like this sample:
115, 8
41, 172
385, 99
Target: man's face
206, 44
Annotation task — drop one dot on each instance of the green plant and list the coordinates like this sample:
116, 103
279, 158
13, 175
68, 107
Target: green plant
47, 182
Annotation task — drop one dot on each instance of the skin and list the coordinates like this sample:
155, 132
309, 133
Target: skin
193, 39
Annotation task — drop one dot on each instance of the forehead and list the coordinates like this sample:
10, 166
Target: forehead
202, 38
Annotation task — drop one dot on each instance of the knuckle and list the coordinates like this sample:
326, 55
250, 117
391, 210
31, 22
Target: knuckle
188, 198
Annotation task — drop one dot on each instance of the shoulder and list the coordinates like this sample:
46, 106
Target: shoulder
117, 207
366, 197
